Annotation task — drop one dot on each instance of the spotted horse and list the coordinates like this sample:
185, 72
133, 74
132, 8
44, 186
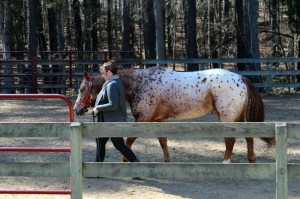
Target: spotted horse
158, 94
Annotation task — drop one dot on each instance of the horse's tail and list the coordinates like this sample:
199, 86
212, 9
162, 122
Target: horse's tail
255, 108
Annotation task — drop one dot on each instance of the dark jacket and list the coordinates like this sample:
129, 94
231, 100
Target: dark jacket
111, 101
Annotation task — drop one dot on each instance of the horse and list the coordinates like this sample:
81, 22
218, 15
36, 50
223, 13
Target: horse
157, 94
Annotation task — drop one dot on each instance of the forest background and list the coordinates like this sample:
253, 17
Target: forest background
152, 29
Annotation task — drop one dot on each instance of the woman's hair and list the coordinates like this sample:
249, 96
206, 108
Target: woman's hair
112, 66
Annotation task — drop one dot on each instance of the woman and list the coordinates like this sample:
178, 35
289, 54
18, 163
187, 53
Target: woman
111, 107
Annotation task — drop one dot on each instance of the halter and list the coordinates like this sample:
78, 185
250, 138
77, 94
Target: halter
88, 96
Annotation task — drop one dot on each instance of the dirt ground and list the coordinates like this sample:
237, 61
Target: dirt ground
284, 108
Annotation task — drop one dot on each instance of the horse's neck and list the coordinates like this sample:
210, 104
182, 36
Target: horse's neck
129, 79
98, 82
126, 76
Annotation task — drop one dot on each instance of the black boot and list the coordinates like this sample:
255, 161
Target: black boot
137, 178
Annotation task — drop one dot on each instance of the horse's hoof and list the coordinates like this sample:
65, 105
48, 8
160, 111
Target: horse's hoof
226, 162
137, 178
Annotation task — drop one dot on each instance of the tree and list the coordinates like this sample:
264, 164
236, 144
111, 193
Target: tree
32, 41
190, 30
127, 31
77, 24
109, 28
159, 29
4, 30
148, 28
94, 35
294, 23
247, 34
87, 12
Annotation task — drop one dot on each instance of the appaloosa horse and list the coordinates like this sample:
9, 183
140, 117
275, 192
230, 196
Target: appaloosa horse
157, 94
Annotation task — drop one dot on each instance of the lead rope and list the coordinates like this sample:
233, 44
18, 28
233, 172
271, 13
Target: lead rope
94, 116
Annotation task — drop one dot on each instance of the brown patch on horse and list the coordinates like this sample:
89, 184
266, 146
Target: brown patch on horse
209, 102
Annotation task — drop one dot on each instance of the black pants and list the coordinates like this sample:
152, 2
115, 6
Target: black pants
118, 143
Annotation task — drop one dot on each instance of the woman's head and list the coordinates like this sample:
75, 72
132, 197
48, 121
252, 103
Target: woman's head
110, 66
108, 69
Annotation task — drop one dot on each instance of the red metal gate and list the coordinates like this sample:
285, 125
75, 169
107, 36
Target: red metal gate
38, 149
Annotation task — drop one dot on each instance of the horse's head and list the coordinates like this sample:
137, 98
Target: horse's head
88, 90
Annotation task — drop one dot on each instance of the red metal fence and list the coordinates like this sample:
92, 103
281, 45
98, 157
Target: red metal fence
38, 149
52, 72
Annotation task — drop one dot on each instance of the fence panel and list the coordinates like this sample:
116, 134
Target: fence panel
63, 72
281, 170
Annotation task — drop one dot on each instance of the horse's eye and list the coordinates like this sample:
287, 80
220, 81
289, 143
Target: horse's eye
81, 90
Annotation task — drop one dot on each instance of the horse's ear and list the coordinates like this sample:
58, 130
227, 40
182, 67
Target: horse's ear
85, 74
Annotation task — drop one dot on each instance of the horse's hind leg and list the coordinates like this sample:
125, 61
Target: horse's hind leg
229, 143
129, 142
164, 145
251, 155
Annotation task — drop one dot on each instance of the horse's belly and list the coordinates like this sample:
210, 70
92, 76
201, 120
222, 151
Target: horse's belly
191, 112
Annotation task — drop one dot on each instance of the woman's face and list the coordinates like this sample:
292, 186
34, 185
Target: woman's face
104, 73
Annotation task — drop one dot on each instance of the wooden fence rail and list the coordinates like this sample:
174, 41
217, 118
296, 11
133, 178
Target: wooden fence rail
282, 171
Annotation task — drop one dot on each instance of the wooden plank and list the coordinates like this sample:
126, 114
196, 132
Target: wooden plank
293, 171
181, 129
76, 160
276, 85
293, 130
281, 161
35, 169
35, 130
180, 170
220, 60
269, 72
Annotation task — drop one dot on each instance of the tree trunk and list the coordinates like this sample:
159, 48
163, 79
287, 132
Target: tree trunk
298, 64
87, 26
52, 21
94, 7
190, 27
60, 27
68, 16
42, 44
40, 32
149, 27
126, 33
77, 25
247, 35
109, 28
171, 20
32, 44
4, 31
159, 30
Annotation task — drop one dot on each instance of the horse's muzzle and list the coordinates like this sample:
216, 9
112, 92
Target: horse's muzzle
80, 111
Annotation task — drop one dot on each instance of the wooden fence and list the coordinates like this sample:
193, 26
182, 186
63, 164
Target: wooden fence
281, 171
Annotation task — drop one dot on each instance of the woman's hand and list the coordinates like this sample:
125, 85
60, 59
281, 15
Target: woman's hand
95, 110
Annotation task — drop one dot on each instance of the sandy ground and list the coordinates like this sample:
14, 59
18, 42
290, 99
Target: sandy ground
278, 108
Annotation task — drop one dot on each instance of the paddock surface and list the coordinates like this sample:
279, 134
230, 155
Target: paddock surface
278, 108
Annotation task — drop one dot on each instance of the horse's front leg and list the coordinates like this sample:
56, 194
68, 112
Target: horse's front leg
251, 155
129, 143
164, 145
229, 143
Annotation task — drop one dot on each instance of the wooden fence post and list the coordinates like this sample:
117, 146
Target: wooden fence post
281, 161
76, 160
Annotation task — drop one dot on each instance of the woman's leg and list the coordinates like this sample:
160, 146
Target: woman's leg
100, 150
119, 144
